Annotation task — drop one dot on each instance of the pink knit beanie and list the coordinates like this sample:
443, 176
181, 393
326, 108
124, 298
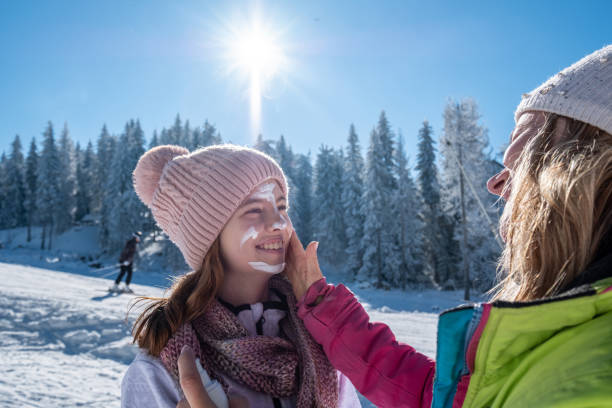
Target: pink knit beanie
193, 195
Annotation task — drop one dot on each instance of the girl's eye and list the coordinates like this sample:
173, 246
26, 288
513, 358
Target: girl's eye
254, 211
282, 208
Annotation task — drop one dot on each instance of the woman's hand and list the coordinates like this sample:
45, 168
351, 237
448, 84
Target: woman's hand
302, 266
193, 387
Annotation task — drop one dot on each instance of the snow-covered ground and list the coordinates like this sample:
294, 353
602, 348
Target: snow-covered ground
66, 342
64, 339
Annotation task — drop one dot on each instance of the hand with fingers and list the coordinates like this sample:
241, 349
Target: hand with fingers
302, 266
199, 390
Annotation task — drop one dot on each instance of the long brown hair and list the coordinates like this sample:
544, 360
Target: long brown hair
559, 210
190, 296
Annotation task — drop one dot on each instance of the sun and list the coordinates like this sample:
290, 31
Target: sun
255, 54
258, 53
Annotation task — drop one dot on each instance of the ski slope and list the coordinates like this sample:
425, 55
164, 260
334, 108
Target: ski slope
65, 341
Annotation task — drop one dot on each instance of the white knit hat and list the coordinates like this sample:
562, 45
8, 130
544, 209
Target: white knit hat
582, 91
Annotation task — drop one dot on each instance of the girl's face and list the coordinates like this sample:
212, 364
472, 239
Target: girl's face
255, 239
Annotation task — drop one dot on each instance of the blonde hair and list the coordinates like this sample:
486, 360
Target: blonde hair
559, 210
190, 296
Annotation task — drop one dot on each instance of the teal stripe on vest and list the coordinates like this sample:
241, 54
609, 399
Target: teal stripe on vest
450, 354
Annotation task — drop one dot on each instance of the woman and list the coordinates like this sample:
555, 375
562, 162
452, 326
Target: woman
546, 338
225, 207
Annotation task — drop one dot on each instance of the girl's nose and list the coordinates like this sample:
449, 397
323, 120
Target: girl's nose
496, 184
275, 221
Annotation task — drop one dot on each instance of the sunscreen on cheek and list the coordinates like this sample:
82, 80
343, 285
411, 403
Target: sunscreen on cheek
265, 267
251, 233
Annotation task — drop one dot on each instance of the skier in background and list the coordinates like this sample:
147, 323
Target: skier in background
125, 260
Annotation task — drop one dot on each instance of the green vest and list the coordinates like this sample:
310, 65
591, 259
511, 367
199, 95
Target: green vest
555, 352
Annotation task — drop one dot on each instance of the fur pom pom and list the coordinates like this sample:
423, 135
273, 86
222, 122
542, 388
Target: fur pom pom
149, 169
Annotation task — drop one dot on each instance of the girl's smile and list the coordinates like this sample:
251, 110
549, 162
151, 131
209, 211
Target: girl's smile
271, 245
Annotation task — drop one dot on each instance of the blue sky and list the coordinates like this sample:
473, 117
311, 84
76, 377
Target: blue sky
90, 63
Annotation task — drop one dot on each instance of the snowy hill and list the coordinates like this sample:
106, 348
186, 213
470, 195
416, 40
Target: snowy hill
77, 249
79, 240
65, 341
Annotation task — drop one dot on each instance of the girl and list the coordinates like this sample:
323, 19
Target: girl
225, 207
545, 340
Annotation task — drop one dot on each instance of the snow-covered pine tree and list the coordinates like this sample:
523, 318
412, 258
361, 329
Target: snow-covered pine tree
465, 145
31, 179
166, 137
85, 179
328, 224
285, 156
429, 193
187, 135
49, 171
383, 128
176, 132
106, 146
78, 177
338, 168
285, 159
373, 202
301, 206
196, 139
352, 193
126, 211
90, 164
154, 140
265, 146
65, 215
15, 190
4, 208
439, 247
449, 256
210, 135
381, 257
408, 226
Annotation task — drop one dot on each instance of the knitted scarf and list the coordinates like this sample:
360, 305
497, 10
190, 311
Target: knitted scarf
275, 366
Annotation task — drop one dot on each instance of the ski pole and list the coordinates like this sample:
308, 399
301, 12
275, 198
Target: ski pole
107, 274
106, 267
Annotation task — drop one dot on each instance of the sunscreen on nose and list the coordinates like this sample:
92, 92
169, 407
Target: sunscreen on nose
282, 224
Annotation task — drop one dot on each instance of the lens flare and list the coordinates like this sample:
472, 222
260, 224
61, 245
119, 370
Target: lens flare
256, 53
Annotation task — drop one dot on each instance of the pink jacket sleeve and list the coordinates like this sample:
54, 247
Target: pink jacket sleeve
387, 373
